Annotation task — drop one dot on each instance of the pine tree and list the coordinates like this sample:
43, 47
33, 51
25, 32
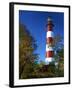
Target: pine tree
27, 46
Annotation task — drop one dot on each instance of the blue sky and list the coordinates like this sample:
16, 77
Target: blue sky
35, 22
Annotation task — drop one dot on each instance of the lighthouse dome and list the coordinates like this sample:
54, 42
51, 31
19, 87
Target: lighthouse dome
49, 19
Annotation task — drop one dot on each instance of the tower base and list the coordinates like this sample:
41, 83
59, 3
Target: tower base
49, 60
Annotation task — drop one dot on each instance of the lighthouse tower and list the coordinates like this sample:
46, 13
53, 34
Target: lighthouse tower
49, 41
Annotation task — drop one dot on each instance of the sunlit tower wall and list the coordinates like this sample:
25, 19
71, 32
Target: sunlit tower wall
49, 41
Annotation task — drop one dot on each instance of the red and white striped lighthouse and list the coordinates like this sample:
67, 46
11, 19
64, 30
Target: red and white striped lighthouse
49, 42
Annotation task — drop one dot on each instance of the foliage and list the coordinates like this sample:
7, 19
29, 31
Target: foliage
27, 45
58, 42
59, 55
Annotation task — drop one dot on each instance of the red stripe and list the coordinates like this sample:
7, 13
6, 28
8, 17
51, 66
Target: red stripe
49, 40
49, 54
50, 28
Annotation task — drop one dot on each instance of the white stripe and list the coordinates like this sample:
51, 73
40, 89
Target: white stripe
49, 48
50, 34
50, 59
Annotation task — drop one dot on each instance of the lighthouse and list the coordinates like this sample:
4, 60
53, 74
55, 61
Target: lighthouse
49, 41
